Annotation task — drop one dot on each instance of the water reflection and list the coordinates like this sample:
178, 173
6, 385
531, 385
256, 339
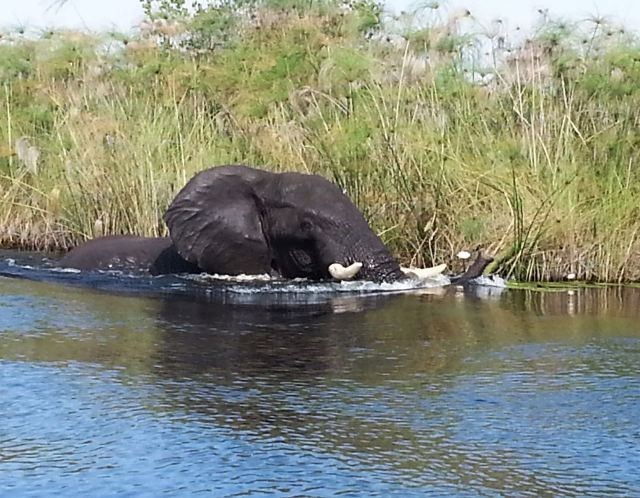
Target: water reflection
448, 394
606, 300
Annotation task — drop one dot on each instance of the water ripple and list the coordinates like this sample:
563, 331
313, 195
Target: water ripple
405, 396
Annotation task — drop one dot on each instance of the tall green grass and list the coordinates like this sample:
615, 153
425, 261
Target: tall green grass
447, 135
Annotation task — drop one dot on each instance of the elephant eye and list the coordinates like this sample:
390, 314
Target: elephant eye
305, 226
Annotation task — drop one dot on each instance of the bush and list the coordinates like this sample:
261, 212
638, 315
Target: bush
528, 150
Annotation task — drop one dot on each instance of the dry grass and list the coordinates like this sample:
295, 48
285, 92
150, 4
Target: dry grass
536, 163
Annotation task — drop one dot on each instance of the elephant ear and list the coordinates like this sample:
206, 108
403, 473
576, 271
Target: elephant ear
216, 222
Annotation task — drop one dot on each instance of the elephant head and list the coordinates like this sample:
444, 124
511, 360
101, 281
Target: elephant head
236, 219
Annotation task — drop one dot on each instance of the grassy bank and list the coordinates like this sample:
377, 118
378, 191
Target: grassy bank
447, 134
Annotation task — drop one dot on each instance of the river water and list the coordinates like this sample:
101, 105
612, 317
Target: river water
129, 386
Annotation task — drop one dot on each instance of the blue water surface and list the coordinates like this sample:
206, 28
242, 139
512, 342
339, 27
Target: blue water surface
116, 385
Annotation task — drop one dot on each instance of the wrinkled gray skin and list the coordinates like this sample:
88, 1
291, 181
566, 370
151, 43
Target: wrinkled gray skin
237, 219
157, 255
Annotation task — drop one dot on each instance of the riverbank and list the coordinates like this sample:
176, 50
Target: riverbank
446, 135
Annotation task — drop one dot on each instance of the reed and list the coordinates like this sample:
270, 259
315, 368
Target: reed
446, 135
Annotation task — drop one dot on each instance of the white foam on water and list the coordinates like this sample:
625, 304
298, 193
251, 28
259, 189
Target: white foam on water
491, 281
232, 278
302, 285
267, 284
399, 286
64, 270
12, 263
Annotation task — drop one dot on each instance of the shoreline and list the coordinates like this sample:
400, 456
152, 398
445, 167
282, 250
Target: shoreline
562, 284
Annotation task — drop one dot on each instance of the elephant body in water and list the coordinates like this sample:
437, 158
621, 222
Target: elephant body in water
237, 219
157, 255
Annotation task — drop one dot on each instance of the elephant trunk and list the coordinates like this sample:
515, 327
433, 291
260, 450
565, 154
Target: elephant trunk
475, 270
376, 262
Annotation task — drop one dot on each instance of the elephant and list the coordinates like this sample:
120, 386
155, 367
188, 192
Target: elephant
156, 255
236, 219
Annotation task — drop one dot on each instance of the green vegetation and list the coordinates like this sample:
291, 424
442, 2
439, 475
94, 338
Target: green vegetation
446, 135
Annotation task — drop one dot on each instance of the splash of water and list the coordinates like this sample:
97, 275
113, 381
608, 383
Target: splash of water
265, 283
215, 286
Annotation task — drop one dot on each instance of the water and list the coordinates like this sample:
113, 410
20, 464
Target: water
158, 387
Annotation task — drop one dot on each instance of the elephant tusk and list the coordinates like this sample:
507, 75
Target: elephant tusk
423, 273
339, 272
